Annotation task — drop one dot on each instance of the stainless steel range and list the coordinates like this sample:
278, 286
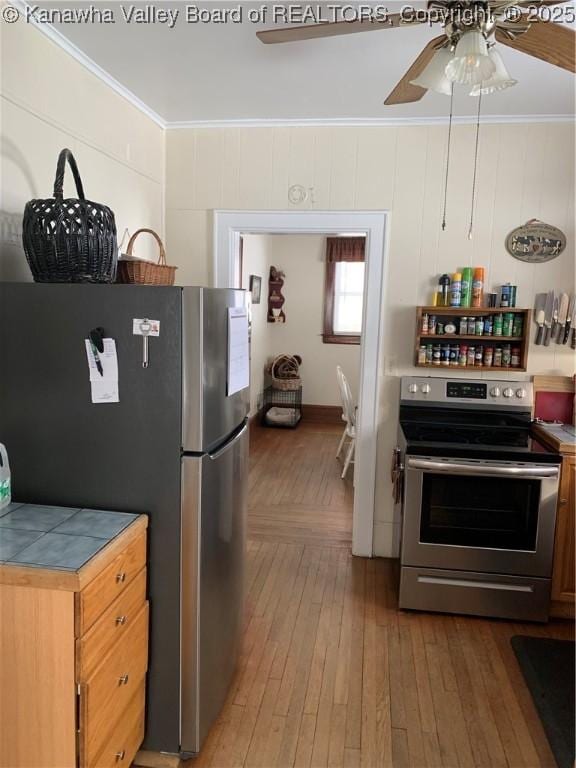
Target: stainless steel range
478, 498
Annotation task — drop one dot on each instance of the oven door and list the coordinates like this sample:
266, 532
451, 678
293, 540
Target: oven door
483, 516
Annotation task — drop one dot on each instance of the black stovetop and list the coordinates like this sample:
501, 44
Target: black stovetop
473, 434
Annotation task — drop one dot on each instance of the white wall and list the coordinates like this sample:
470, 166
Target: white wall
49, 101
255, 262
302, 258
525, 171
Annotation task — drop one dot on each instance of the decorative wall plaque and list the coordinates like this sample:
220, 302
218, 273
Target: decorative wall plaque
535, 242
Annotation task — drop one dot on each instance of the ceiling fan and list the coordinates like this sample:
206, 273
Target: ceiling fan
465, 52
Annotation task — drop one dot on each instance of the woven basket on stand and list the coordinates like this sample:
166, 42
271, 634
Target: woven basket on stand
284, 371
69, 240
132, 270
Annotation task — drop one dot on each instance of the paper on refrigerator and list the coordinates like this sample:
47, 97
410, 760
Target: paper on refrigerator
104, 386
238, 351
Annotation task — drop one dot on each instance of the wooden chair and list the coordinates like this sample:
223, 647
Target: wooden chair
349, 417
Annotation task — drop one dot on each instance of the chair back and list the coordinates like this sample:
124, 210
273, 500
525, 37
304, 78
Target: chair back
348, 410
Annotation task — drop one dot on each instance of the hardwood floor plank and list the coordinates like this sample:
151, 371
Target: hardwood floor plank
331, 673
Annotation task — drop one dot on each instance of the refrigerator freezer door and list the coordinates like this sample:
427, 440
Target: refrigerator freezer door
214, 502
209, 415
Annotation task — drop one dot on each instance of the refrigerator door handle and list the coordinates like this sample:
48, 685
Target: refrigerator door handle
229, 444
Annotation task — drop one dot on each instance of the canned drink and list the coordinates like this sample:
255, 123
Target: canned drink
463, 357
488, 356
515, 357
432, 325
492, 300
436, 354
505, 295
506, 356
488, 325
471, 355
518, 325
497, 357
479, 326
507, 324
497, 328
454, 354
445, 359
478, 355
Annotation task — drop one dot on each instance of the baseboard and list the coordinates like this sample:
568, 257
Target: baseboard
325, 414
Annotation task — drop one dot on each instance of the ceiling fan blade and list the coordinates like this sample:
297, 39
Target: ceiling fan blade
331, 29
553, 43
405, 92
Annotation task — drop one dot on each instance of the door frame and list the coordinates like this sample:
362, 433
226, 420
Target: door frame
228, 225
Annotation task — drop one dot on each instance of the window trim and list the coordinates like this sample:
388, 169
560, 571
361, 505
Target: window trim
328, 335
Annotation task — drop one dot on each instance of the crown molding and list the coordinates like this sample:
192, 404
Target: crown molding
367, 122
57, 37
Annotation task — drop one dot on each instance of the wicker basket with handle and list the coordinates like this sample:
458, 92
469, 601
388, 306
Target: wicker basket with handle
285, 372
132, 270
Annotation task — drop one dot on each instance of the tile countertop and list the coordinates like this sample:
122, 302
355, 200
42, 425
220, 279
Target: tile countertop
56, 538
559, 437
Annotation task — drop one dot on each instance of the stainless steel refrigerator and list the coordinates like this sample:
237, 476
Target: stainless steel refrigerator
174, 447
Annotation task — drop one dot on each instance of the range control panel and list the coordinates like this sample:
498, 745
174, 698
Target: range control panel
491, 393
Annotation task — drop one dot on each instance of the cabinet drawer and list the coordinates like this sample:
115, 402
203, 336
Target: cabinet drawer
111, 582
127, 736
110, 627
106, 694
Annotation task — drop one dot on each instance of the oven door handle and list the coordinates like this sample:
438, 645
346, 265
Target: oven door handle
453, 468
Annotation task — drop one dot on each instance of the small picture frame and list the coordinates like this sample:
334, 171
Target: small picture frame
255, 288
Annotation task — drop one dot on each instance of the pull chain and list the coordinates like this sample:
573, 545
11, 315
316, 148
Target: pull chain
448, 156
475, 167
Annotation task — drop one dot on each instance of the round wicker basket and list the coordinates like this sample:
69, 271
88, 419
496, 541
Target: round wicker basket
285, 372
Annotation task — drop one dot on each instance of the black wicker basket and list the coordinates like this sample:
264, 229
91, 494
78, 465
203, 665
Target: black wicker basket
72, 240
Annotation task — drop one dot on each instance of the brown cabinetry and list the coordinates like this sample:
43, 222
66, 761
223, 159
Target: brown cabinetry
73, 659
563, 576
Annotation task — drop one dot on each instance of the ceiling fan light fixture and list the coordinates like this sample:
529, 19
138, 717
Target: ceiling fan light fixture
433, 76
471, 63
498, 81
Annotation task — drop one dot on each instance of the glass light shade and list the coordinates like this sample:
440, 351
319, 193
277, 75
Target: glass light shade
498, 81
433, 76
471, 64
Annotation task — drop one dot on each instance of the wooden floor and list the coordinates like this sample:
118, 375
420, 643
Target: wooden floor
332, 674
296, 493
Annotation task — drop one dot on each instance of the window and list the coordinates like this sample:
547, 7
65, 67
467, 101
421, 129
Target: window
344, 290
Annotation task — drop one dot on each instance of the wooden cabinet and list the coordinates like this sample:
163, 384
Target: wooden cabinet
73, 659
563, 577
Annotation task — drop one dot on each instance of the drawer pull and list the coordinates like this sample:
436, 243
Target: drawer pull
120, 755
120, 620
120, 577
123, 680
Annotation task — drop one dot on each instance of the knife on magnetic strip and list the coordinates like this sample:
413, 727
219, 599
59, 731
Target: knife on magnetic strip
562, 316
569, 316
548, 314
539, 307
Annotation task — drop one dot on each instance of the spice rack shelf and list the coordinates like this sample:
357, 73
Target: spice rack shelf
445, 313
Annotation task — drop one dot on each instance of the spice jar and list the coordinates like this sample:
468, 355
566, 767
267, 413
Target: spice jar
422, 355
471, 355
463, 326
498, 357
506, 356
454, 354
436, 354
488, 356
463, 357
515, 357
478, 357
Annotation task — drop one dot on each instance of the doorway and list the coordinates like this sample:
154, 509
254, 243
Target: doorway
228, 226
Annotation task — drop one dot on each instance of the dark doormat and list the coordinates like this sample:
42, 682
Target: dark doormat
548, 668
